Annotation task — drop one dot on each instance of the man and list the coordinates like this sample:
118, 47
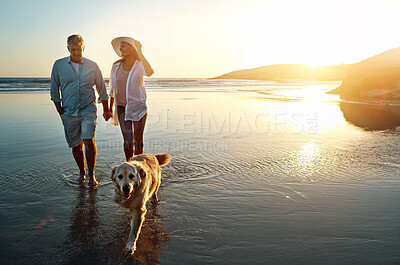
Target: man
72, 81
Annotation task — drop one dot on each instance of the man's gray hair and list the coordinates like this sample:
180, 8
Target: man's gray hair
75, 39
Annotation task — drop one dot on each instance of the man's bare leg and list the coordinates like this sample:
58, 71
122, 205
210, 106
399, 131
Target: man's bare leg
91, 154
79, 157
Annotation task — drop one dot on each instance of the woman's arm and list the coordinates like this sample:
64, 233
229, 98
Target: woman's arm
111, 104
112, 73
147, 66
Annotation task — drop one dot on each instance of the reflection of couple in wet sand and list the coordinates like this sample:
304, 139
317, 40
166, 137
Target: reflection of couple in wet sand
72, 90
92, 241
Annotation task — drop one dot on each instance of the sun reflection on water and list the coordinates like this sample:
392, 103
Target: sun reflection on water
307, 159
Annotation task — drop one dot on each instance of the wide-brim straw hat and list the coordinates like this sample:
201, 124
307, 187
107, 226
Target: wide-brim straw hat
116, 43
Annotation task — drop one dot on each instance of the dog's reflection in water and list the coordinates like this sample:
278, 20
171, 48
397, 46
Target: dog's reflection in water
99, 237
152, 236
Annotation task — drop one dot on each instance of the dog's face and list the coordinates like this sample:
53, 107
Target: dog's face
128, 178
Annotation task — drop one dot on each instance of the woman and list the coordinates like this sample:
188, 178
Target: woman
127, 92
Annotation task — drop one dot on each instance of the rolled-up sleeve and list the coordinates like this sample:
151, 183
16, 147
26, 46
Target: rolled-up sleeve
100, 85
55, 84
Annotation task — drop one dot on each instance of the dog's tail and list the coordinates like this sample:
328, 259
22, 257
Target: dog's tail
163, 159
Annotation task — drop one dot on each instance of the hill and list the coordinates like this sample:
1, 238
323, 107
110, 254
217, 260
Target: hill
291, 71
375, 78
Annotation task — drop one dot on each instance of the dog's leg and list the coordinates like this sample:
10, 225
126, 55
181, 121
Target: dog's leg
137, 221
154, 198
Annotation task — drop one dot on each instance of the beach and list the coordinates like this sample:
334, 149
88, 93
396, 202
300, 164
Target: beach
261, 173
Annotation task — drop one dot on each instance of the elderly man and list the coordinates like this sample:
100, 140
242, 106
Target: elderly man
72, 81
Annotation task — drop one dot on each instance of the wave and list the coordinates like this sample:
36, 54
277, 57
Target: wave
23, 91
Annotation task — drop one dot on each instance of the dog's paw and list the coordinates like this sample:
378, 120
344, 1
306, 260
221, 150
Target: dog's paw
131, 247
154, 200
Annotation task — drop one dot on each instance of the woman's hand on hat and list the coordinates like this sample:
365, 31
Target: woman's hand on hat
138, 45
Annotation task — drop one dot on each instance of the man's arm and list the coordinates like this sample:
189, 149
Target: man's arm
58, 107
107, 114
55, 89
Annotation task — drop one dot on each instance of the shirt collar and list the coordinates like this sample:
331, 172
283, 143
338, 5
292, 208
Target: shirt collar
81, 62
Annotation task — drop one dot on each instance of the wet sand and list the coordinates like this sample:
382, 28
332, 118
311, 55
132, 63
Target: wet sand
253, 180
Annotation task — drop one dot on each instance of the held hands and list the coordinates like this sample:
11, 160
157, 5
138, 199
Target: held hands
107, 112
107, 115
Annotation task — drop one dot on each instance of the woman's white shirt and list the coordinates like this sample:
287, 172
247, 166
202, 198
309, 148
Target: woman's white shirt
136, 95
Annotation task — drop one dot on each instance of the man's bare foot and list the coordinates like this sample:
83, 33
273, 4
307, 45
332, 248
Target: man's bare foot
82, 177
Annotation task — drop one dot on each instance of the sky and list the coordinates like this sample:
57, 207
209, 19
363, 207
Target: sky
197, 38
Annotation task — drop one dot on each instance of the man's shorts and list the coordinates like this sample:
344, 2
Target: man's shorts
78, 128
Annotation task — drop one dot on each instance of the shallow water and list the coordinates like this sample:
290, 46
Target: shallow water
257, 177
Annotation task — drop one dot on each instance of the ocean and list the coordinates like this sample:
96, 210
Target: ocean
42, 85
262, 172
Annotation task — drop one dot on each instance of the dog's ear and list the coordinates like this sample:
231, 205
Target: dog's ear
142, 173
163, 159
113, 173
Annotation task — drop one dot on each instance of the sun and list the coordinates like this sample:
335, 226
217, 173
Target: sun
315, 65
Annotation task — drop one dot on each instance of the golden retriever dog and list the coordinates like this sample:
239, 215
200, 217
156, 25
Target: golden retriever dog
136, 182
